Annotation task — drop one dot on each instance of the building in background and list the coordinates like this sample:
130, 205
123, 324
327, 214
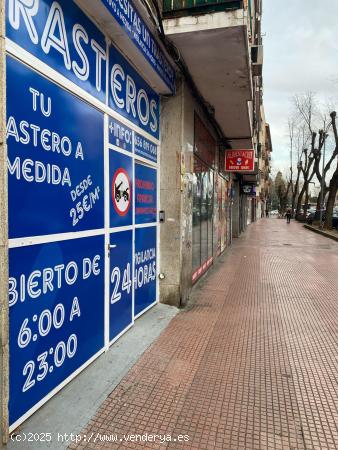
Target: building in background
264, 163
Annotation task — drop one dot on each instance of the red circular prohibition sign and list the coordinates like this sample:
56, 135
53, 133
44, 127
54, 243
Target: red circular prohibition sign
124, 192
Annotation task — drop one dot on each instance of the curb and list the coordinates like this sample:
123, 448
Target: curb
323, 233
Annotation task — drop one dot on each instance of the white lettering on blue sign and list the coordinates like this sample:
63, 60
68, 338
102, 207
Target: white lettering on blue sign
50, 292
145, 148
131, 96
130, 20
120, 135
40, 282
77, 49
53, 138
48, 30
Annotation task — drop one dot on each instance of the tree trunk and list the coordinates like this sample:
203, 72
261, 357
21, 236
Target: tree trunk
295, 192
306, 200
331, 199
318, 207
299, 202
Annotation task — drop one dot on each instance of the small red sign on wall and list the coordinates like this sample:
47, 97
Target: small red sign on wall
239, 161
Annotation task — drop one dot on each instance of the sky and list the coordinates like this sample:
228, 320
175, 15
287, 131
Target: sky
300, 55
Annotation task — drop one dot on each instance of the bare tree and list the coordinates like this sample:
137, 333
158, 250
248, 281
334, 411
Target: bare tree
308, 173
291, 127
334, 180
309, 117
302, 125
300, 143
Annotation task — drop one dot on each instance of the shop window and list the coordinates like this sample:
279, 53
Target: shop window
196, 215
210, 200
203, 215
205, 144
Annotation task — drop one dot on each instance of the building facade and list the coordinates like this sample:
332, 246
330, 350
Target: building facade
116, 122
217, 112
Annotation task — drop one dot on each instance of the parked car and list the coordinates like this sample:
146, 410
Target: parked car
315, 216
310, 211
274, 212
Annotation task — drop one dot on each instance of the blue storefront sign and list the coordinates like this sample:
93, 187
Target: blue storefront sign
145, 194
67, 149
56, 323
62, 36
145, 148
120, 135
55, 157
121, 288
145, 268
132, 23
131, 96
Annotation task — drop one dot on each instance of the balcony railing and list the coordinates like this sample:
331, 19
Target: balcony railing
174, 8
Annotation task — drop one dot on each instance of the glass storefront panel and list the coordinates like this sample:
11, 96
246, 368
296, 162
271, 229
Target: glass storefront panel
204, 215
196, 217
205, 200
218, 217
210, 200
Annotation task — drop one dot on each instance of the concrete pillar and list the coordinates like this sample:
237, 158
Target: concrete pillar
3, 238
170, 197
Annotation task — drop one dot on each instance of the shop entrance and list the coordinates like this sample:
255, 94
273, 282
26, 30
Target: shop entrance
83, 196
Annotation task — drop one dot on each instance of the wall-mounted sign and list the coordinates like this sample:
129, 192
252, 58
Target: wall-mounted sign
145, 194
239, 160
121, 189
59, 153
62, 36
56, 316
145, 148
55, 157
127, 16
145, 268
248, 189
131, 96
121, 288
120, 135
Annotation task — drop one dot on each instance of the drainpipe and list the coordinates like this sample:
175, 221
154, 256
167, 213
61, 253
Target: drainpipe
3, 239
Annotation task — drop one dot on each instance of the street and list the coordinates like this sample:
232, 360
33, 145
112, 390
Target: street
250, 364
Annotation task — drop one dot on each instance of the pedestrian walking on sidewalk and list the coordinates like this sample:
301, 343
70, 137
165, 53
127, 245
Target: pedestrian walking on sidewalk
288, 216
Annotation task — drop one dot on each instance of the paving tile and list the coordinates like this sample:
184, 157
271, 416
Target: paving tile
250, 364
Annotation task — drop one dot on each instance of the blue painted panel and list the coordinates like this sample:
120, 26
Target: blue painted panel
62, 36
132, 23
145, 194
131, 96
121, 189
56, 298
120, 135
121, 287
145, 268
55, 157
145, 148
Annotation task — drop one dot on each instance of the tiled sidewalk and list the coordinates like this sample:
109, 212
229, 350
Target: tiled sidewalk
250, 365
